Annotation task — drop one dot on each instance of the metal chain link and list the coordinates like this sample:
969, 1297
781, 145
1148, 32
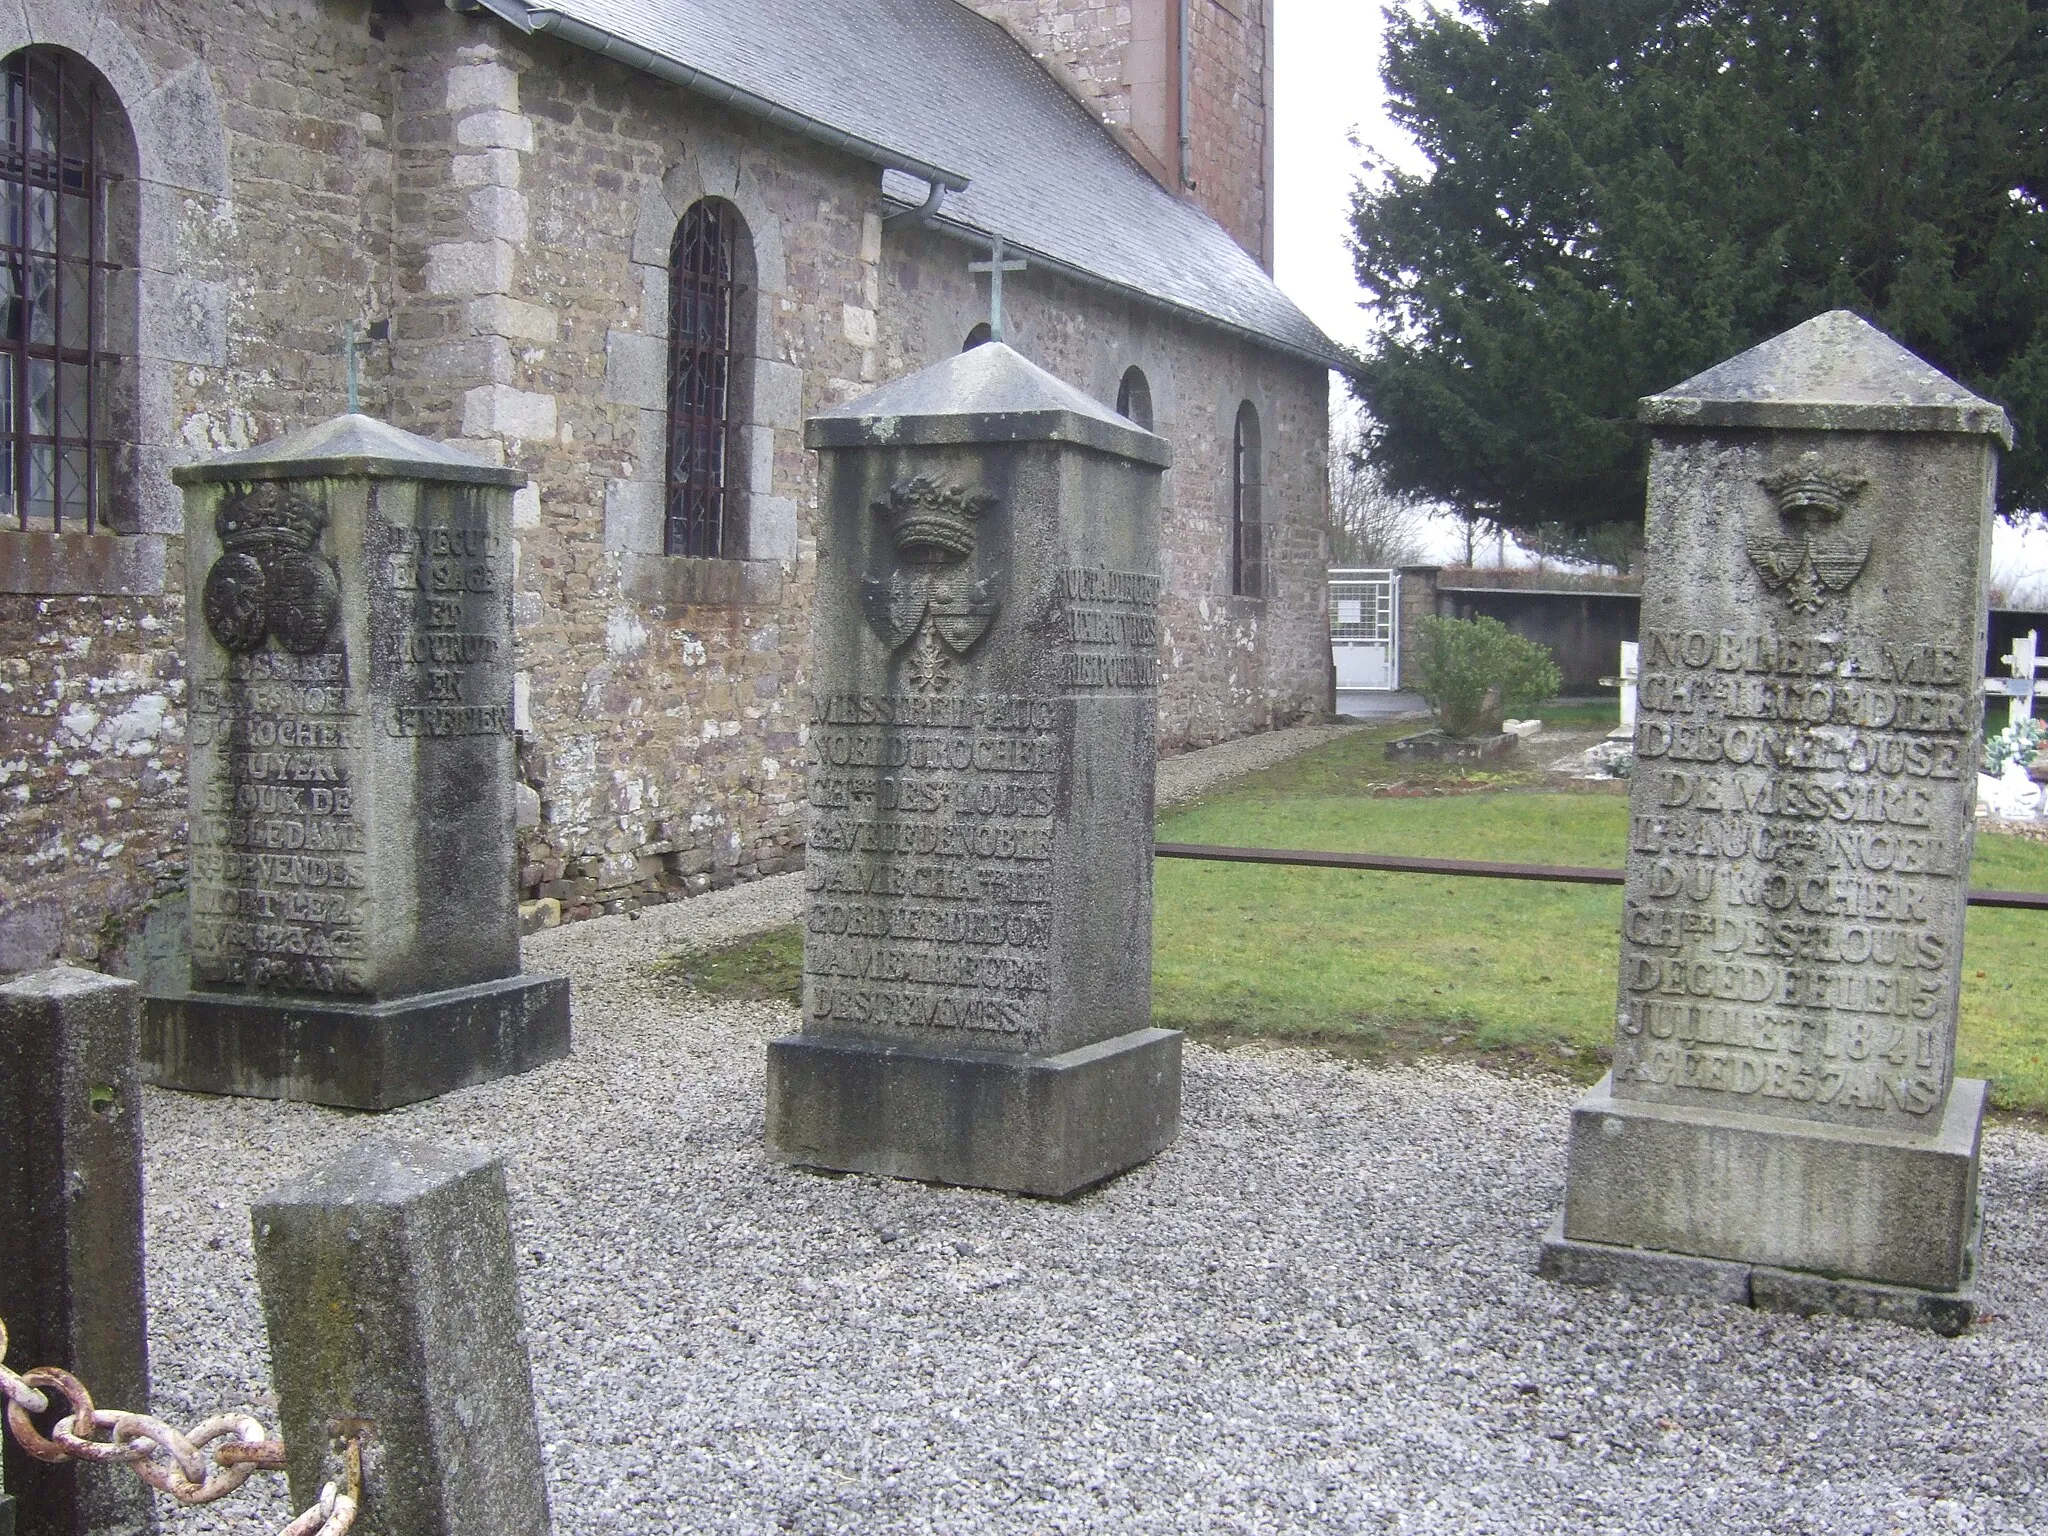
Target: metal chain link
169, 1461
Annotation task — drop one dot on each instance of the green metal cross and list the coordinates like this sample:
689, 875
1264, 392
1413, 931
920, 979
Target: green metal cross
995, 267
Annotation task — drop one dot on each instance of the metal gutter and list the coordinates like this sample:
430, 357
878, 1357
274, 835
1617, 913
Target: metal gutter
539, 19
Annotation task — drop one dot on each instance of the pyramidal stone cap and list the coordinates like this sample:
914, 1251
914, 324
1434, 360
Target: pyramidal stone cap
1836, 372
989, 394
345, 446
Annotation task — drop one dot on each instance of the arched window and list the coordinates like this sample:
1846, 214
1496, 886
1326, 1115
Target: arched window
1134, 398
65, 242
980, 336
1247, 476
710, 307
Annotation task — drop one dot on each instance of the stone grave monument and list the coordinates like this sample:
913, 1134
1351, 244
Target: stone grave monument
977, 951
1782, 1125
354, 924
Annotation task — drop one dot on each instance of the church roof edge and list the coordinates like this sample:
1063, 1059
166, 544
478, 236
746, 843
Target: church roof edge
1018, 155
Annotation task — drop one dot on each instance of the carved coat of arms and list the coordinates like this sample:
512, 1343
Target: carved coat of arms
270, 578
932, 600
1807, 563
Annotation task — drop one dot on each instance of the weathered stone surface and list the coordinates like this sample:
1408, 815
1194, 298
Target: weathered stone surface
665, 719
1039, 1125
1640, 1269
1891, 1206
71, 1282
1808, 704
367, 1055
982, 747
392, 1304
1808, 714
1754, 1285
349, 646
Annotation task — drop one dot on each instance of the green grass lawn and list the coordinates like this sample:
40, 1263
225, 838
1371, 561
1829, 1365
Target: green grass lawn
1506, 971
1511, 969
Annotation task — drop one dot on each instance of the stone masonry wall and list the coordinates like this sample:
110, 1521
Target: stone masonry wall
1089, 39
264, 148
504, 205
1123, 55
1230, 119
1229, 664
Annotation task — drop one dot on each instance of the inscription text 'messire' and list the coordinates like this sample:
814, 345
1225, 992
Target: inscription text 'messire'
1796, 880
929, 863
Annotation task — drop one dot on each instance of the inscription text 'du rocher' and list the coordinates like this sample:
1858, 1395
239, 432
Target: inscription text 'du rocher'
930, 862
1788, 931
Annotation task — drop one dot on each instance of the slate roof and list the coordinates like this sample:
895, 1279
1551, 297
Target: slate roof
931, 84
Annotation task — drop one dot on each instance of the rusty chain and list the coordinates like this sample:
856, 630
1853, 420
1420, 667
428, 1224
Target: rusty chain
169, 1461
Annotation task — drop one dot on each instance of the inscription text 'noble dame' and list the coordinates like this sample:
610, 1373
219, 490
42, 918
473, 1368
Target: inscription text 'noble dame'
1796, 881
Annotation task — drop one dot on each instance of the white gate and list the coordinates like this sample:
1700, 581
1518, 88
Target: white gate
1364, 629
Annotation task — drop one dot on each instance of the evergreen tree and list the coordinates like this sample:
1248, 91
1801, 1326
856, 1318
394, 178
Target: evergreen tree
1621, 193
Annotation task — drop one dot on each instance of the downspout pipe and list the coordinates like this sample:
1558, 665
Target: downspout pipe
633, 56
1184, 49
925, 212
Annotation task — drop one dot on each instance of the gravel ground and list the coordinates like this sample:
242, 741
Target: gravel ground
1316, 1312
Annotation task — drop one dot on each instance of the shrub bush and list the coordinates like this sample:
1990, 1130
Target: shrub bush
1474, 671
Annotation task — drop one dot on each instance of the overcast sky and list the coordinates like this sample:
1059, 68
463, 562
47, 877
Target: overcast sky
1326, 88
1327, 84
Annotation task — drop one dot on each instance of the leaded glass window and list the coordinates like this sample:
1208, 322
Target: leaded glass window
56, 368
706, 295
1247, 531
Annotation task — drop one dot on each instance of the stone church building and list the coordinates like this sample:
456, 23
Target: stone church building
624, 246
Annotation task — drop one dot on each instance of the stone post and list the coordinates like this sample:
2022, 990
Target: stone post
1782, 1124
355, 927
393, 1310
977, 957
71, 1286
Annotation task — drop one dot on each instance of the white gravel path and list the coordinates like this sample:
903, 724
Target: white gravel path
1316, 1312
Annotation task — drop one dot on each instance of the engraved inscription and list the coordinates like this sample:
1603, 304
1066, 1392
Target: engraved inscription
441, 649
1107, 623
1796, 878
279, 870
929, 863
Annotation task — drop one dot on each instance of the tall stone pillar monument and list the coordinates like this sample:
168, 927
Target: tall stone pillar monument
1783, 1125
355, 936
977, 948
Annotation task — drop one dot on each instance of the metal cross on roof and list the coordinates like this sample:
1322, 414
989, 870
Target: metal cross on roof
995, 267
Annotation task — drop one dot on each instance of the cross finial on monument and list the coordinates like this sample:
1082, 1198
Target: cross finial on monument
349, 348
995, 267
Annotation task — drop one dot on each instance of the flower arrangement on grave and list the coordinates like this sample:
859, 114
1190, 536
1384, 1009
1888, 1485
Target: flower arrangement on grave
1475, 671
2017, 743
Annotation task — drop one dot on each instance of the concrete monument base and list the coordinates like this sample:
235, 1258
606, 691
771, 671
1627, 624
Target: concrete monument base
354, 1055
1763, 1286
1034, 1125
1748, 1207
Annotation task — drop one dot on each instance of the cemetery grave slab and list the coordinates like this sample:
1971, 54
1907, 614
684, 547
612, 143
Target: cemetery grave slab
1435, 746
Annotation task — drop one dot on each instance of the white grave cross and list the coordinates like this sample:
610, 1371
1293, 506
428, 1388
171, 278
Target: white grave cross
2019, 690
1630, 665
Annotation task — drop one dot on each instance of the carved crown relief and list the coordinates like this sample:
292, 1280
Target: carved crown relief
1809, 562
270, 579
931, 598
